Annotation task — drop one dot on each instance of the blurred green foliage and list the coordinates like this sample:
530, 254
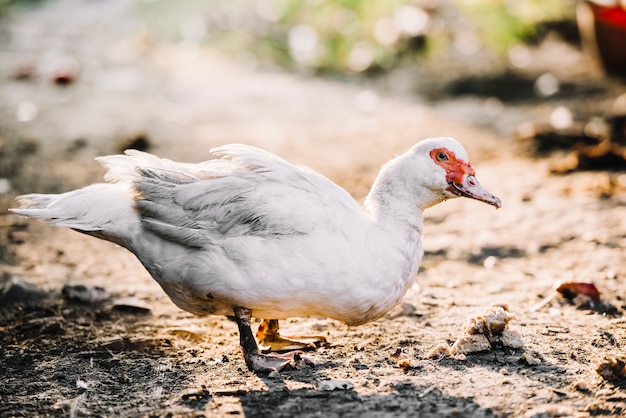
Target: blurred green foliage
313, 35
353, 36
501, 23
5, 5
343, 36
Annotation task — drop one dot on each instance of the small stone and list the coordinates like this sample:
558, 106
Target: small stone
407, 363
611, 368
441, 351
84, 294
5, 186
582, 386
529, 359
26, 111
14, 289
334, 384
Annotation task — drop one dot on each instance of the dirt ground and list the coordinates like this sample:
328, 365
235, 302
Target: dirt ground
136, 354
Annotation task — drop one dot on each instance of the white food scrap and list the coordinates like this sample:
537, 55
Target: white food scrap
470, 344
511, 338
491, 323
482, 332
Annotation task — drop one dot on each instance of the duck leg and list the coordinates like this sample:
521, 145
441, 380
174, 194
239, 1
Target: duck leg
269, 336
255, 360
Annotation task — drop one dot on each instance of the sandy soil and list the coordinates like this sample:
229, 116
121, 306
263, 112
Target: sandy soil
136, 354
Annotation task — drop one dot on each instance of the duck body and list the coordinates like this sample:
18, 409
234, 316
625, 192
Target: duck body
290, 276
254, 232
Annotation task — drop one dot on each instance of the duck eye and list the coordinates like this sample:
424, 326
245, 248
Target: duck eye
442, 156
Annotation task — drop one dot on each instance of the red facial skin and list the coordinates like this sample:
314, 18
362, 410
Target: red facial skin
460, 177
455, 169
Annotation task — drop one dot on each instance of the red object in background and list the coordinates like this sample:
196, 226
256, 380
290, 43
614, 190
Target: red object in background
614, 16
569, 290
603, 28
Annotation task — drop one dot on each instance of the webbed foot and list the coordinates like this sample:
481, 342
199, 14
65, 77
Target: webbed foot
264, 363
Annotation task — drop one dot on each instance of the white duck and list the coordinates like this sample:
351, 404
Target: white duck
252, 235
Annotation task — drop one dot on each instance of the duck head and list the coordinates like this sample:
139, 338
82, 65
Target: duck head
447, 171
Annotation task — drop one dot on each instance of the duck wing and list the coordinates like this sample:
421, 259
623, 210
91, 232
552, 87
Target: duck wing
248, 192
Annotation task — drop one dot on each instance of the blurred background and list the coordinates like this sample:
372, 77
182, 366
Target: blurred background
79, 78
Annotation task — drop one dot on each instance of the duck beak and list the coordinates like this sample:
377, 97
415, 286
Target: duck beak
466, 185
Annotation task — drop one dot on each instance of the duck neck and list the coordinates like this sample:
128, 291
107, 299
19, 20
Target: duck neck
396, 197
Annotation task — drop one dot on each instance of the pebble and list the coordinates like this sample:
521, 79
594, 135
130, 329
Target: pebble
26, 111
582, 386
84, 294
334, 384
529, 359
5, 186
14, 289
